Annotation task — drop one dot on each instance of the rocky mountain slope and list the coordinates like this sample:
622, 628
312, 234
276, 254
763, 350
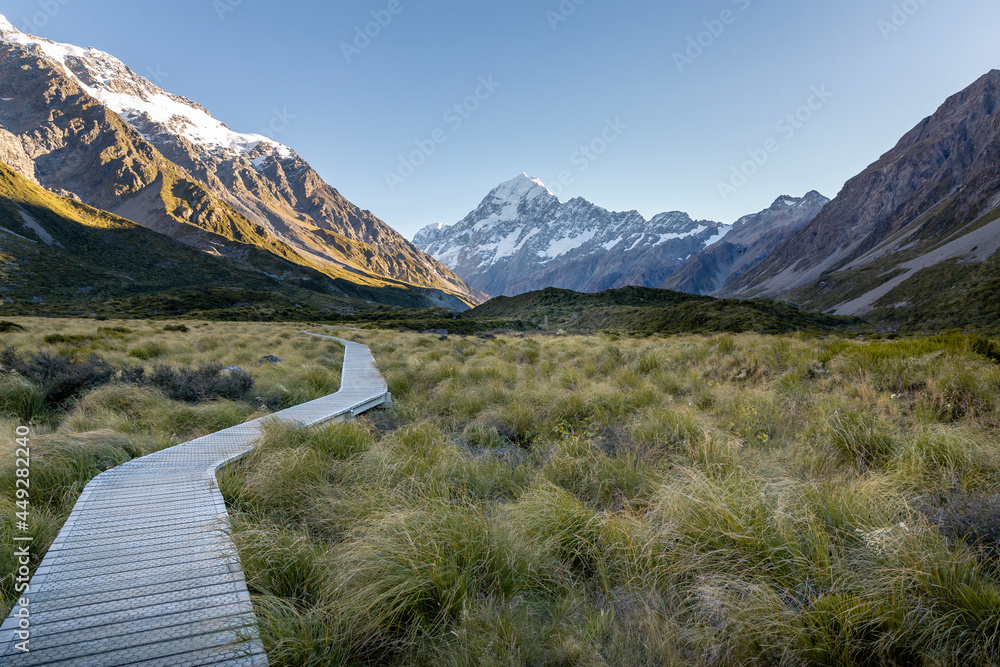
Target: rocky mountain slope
749, 242
79, 122
914, 237
59, 256
521, 238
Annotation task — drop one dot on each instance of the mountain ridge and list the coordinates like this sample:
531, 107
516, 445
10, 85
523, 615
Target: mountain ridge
164, 162
932, 199
522, 238
750, 241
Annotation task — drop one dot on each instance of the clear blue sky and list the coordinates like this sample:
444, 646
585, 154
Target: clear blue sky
560, 82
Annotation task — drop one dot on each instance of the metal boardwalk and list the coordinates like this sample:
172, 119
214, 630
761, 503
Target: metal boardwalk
144, 573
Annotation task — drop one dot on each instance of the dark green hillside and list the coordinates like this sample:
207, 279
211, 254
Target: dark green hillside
645, 310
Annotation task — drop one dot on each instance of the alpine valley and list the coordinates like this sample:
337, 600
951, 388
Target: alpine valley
116, 194
79, 124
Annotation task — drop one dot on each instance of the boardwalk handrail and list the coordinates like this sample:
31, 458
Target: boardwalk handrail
140, 571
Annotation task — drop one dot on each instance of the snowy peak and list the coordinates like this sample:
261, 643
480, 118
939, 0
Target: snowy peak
145, 106
522, 237
811, 198
519, 188
173, 168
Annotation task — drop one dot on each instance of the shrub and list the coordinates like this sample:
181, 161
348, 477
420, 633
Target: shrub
848, 629
860, 438
148, 350
59, 377
6, 326
68, 339
112, 331
206, 382
601, 545
182, 328
415, 572
664, 428
281, 562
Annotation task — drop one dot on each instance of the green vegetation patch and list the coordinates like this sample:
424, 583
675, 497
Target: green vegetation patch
644, 310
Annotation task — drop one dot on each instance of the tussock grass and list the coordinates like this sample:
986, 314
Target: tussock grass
736, 499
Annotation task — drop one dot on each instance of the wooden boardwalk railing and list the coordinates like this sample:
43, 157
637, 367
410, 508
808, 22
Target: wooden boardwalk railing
143, 572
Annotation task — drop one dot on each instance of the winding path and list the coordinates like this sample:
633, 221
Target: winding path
144, 573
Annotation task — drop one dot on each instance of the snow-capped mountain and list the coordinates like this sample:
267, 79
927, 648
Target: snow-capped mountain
80, 122
750, 241
148, 108
521, 238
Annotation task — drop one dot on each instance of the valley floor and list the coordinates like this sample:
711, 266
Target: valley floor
574, 500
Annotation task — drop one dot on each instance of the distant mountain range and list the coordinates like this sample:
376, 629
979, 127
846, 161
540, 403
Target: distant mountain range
521, 238
750, 240
910, 242
81, 124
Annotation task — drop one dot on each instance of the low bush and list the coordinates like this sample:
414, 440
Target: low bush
59, 377
205, 382
860, 438
148, 350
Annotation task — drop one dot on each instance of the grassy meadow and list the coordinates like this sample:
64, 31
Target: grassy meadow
78, 431
711, 500
571, 500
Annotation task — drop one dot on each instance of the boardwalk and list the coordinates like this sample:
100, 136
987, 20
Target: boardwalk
143, 574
